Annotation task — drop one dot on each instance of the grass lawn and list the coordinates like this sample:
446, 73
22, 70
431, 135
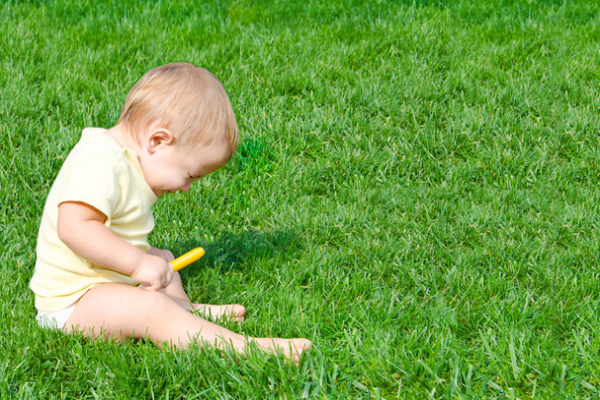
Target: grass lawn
416, 191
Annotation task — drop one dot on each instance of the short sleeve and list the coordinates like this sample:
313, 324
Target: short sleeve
93, 181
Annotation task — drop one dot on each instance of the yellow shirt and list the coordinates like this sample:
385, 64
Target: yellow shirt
109, 178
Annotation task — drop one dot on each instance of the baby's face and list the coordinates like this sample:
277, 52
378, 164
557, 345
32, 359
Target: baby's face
172, 168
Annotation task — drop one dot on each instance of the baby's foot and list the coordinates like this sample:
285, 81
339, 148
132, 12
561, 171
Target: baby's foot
292, 349
227, 312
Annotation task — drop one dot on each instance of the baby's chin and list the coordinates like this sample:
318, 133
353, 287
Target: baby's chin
161, 192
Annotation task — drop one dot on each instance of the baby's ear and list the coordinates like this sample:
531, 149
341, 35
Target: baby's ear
159, 137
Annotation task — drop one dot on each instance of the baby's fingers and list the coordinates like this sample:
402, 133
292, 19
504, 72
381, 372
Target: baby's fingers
150, 288
161, 283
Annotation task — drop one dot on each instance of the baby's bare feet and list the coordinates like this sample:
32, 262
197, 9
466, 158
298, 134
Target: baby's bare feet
292, 349
227, 312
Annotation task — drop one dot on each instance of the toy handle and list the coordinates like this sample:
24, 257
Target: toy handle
187, 258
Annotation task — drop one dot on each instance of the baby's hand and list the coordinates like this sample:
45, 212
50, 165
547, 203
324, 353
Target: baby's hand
154, 272
162, 253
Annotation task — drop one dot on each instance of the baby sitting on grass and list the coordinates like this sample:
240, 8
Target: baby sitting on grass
95, 271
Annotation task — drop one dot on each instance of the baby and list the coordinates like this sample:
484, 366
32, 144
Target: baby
95, 271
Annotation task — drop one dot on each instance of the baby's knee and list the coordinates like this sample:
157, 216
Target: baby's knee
152, 301
176, 283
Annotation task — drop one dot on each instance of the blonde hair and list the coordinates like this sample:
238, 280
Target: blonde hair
188, 100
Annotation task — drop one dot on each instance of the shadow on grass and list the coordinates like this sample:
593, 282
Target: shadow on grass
232, 250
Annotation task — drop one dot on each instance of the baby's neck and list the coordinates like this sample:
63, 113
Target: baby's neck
122, 138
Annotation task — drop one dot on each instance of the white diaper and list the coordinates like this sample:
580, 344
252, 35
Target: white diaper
55, 319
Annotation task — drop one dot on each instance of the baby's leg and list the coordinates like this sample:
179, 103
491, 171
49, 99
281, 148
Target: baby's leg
122, 311
176, 292
230, 312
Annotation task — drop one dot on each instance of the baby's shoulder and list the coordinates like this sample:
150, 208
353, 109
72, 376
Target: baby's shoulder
94, 143
95, 150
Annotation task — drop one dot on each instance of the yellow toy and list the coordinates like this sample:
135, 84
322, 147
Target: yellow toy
187, 258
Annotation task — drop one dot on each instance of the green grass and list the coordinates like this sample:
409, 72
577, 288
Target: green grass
416, 191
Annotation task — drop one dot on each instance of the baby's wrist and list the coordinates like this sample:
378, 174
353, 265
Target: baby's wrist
138, 262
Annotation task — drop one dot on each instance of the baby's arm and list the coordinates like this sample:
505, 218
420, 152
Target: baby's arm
81, 227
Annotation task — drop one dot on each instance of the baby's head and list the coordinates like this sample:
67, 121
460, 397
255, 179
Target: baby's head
188, 101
